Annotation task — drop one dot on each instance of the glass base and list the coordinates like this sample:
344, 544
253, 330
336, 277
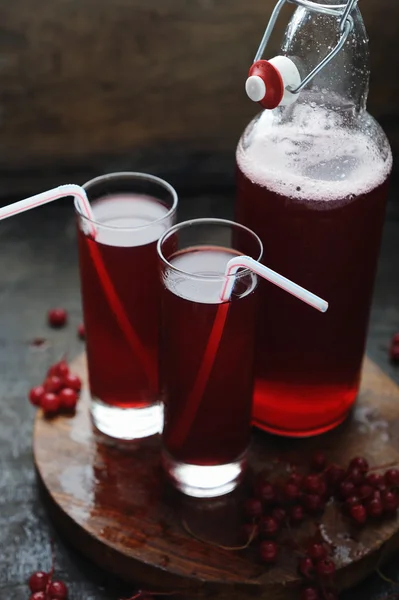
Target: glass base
127, 423
202, 481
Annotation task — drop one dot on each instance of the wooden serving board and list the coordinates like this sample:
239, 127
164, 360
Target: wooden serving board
112, 504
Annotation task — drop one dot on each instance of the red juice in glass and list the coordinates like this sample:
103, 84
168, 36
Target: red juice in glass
207, 353
121, 304
316, 197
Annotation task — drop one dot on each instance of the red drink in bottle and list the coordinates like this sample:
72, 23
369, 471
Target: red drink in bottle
312, 181
325, 236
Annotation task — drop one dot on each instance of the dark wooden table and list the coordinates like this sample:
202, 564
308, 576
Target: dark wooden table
38, 270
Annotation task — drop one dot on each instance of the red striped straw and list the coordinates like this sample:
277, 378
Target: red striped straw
62, 191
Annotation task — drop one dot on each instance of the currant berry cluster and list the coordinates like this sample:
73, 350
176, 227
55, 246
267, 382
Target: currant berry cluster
394, 349
58, 318
58, 392
361, 493
43, 587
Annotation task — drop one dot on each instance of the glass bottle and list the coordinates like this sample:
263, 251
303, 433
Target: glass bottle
312, 182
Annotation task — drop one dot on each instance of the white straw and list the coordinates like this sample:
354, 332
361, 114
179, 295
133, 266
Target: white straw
246, 262
61, 191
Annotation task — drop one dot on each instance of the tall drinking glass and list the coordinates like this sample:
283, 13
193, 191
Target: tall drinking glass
121, 299
207, 352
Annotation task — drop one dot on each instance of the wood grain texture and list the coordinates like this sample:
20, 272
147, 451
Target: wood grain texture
96, 85
113, 505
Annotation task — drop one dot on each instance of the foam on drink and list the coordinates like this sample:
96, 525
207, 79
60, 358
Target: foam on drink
130, 219
312, 156
208, 265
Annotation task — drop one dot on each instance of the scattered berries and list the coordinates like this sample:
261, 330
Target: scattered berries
57, 590
38, 596
53, 384
268, 552
57, 317
68, 399
38, 581
252, 508
310, 593
60, 391
281, 501
36, 394
43, 587
72, 381
50, 404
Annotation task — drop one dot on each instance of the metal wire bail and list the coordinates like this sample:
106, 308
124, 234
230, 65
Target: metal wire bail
338, 10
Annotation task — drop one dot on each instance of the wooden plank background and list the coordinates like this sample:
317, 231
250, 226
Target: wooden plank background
88, 86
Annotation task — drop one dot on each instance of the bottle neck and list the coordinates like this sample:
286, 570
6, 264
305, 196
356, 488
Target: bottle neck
343, 84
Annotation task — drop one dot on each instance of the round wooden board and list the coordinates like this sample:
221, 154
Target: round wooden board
112, 504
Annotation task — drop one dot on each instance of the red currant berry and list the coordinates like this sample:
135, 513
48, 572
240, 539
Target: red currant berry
57, 590
313, 503
309, 593
265, 492
36, 395
319, 461
38, 581
72, 381
53, 384
60, 369
296, 479
252, 506
356, 476
392, 477
290, 492
312, 484
306, 567
334, 475
390, 502
38, 596
375, 480
374, 508
365, 491
268, 552
279, 514
358, 514
69, 399
268, 527
81, 332
395, 339
296, 514
351, 501
394, 353
359, 463
317, 552
57, 317
50, 404
325, 568
346, 489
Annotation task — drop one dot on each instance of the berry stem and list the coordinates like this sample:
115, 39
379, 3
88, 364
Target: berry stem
144, 594
385, 578
199, 539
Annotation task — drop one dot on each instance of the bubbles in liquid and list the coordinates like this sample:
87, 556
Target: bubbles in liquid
311, 157
130, 219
